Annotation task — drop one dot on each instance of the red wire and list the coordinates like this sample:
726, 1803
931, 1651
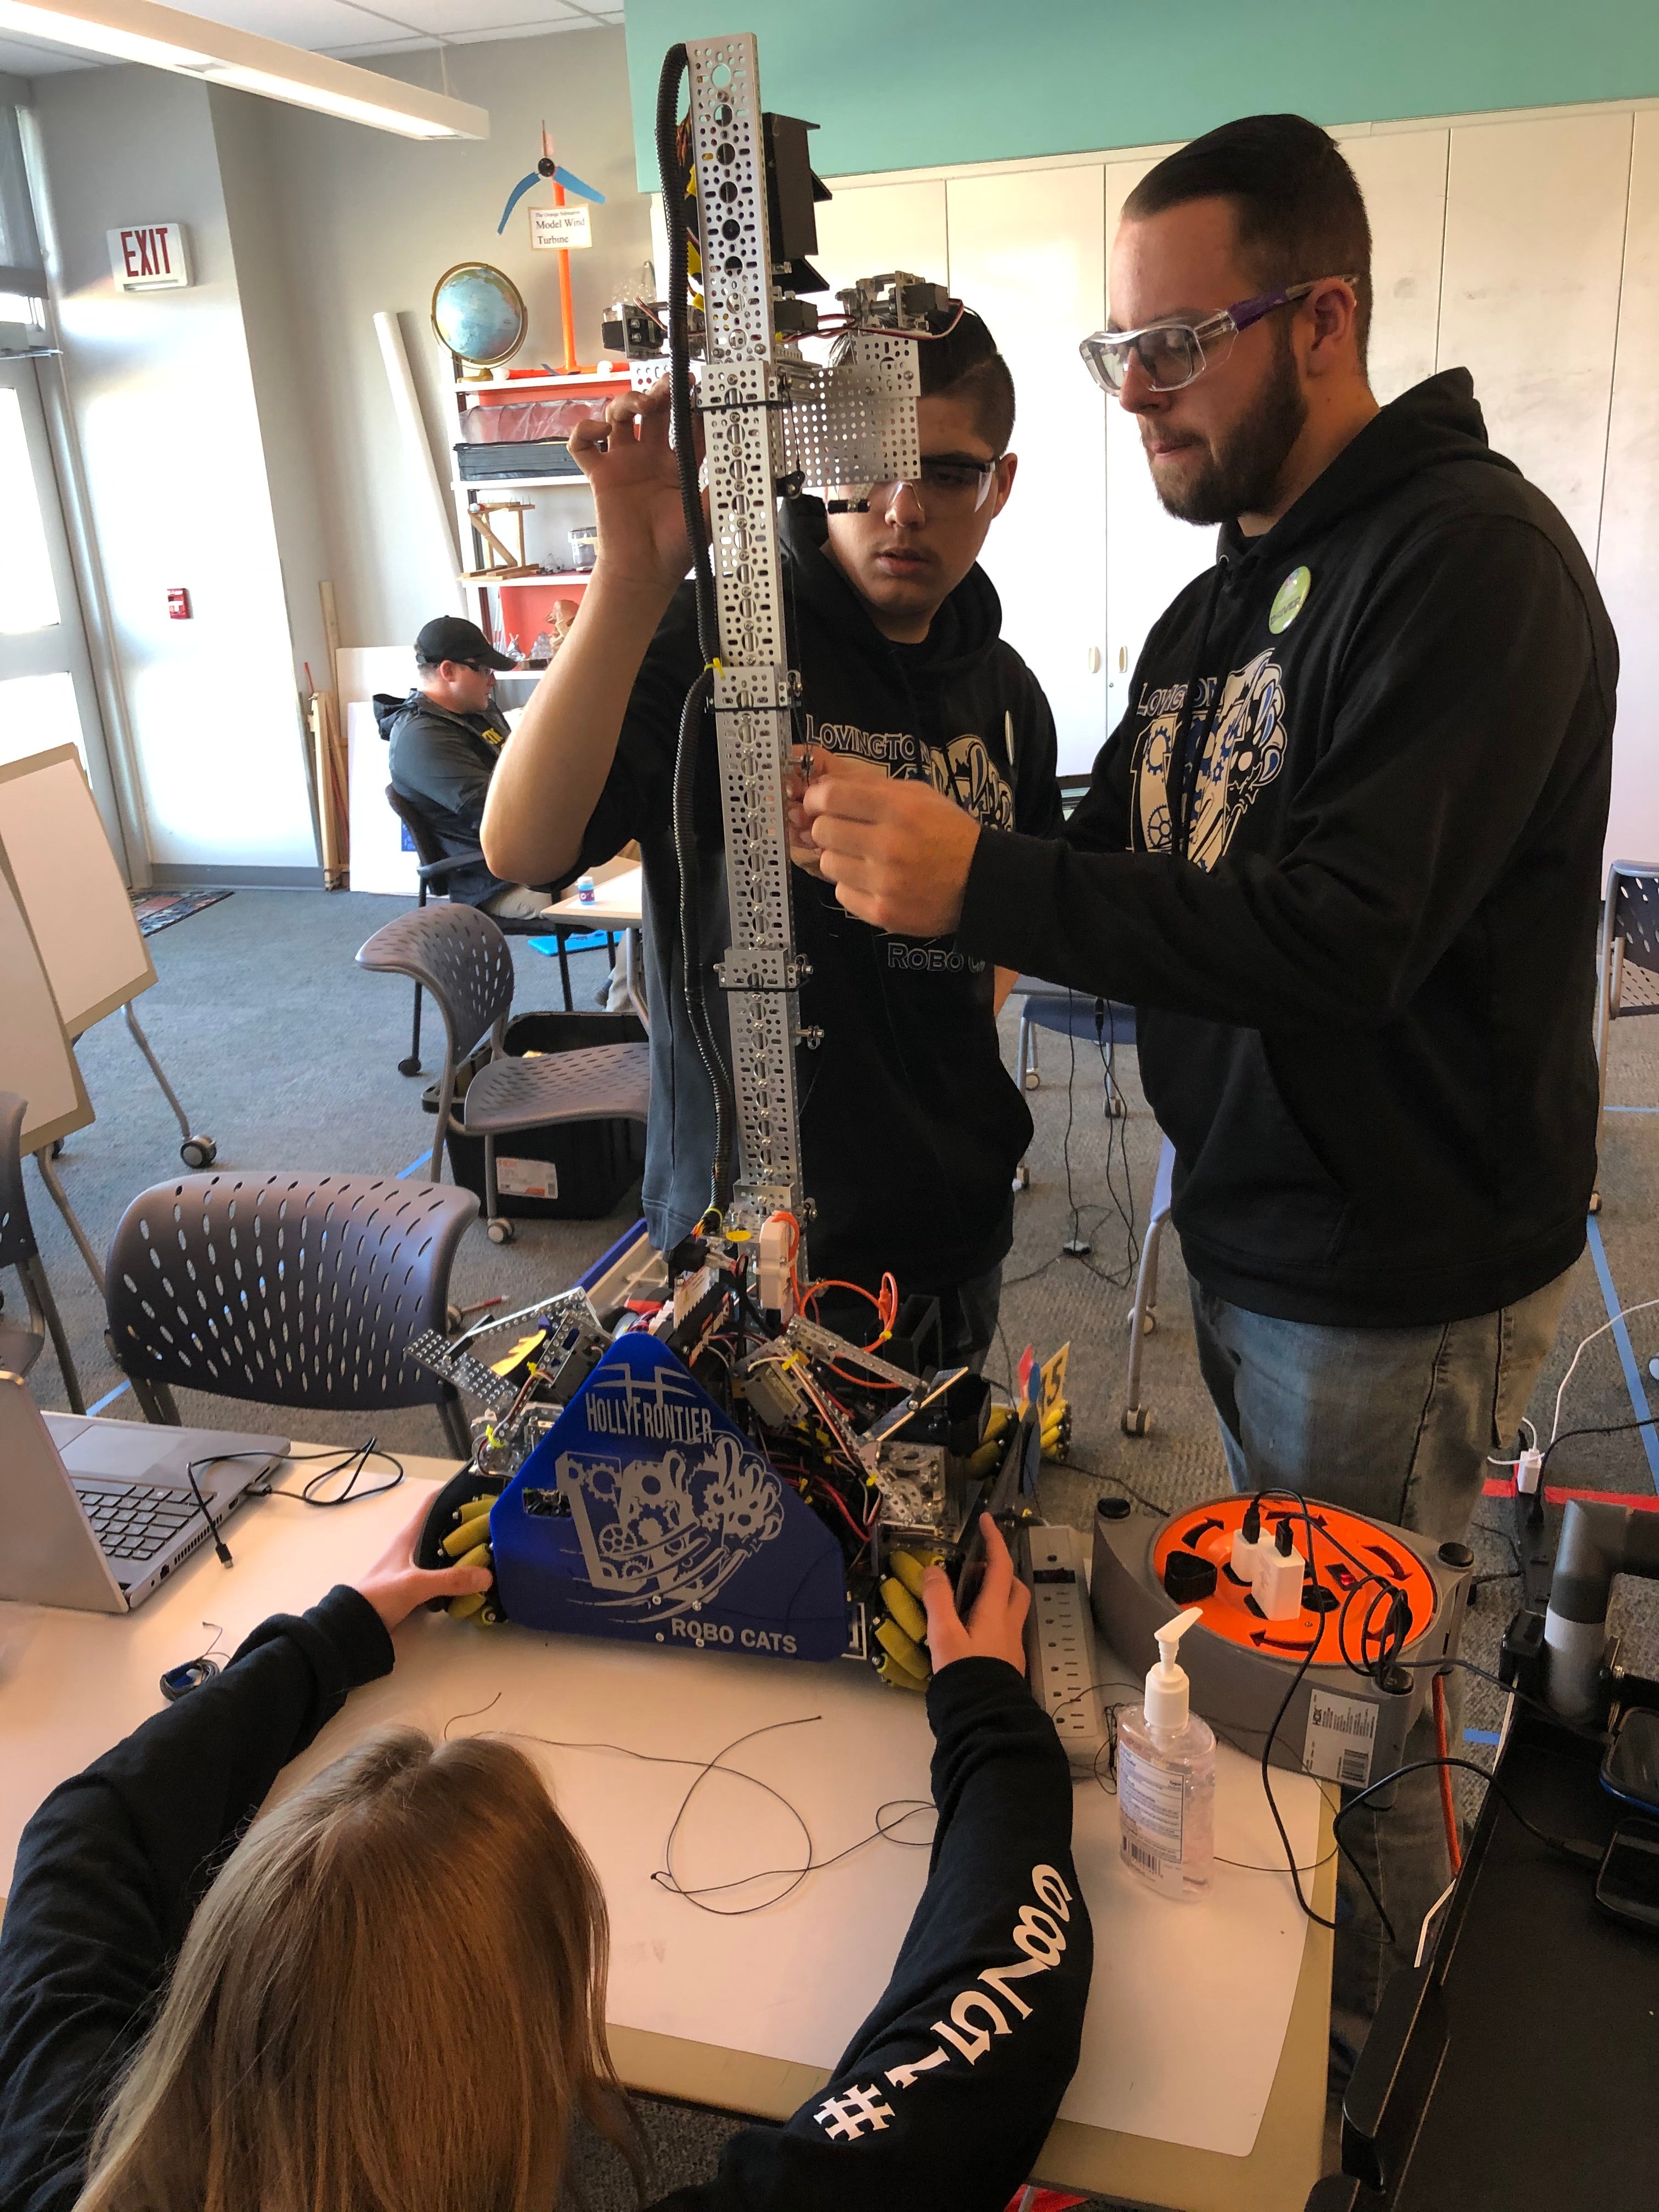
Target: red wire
1447, 1809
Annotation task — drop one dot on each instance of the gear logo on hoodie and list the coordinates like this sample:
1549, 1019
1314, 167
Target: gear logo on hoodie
1241, 750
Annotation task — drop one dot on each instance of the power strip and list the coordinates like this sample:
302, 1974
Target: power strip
1061, 1660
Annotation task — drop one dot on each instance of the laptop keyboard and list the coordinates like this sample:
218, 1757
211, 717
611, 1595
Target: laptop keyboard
134, 1521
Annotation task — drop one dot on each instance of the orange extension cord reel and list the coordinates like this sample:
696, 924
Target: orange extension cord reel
1380, 1607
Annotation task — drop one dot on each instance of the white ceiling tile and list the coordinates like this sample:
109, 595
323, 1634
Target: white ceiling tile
450, 18
312, 23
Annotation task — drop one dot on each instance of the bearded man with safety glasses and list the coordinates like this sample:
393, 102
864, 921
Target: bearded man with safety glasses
1342, 853
911, 1127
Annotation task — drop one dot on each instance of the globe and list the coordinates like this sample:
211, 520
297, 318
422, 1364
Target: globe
479, 314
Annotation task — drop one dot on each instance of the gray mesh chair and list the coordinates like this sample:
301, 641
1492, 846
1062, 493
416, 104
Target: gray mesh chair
20, 1347
464, 965
432, 875
289, 1290
1071, 1013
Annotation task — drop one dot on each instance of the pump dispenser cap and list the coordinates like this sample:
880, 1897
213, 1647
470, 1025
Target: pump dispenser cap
1166, 1703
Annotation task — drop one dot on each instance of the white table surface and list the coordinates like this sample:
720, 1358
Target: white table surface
619, 901
1182, 1994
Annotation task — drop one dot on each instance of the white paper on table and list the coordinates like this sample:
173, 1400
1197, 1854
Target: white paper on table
1190, 2003
1164, 2053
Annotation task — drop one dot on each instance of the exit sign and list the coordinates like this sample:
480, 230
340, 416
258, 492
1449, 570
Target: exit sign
149, 257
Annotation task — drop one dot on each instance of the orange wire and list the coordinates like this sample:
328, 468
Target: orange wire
1447, 1809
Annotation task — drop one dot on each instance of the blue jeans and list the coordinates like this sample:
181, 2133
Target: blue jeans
1394, 1423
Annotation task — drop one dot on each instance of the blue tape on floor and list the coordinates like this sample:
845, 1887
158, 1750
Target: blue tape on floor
1639, 1397
1481, 1736
1631, 1109
423, 1161
108, 1398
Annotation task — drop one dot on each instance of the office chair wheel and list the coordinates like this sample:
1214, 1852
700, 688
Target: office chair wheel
1137, 1421
501, 1231
1148, 1320
409, 1067
1033, 1080
1023, 1175
198, 1151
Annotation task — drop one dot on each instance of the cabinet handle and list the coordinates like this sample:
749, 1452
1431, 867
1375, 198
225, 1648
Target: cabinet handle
1123, 660
1094, 660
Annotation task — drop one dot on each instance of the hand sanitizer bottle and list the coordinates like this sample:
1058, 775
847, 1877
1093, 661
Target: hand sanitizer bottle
1166, 1778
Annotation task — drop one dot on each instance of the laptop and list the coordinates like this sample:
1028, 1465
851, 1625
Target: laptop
98, 1514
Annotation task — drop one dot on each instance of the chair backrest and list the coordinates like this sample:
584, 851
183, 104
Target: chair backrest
460, 958
426, 844
16, 1235
1635, 892
290, 1290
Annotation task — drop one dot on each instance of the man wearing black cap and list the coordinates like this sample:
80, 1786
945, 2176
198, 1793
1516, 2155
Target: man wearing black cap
445, 740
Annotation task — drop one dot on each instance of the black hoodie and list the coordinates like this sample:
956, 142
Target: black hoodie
942, 2099
911, 1127
1359, 925
444, 762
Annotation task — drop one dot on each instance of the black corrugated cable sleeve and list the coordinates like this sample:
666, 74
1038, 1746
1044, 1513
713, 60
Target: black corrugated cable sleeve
673, 178
685, 860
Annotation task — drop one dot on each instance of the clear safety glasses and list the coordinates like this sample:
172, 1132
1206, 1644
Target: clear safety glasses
1172, 354
946, 491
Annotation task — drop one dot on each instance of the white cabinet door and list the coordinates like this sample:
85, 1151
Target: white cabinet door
864, 230
1402, 174
1150, 556
1028, 253
1628, 566
1534, 236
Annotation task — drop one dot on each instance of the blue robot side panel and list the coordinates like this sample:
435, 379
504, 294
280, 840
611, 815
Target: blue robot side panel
645, 1514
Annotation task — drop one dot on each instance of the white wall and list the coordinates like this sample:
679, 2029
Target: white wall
239, 436
163, 397
364, 221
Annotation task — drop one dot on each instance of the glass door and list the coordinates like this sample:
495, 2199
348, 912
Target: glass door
47, 695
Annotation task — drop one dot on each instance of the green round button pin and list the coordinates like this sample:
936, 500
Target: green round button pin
1289, 600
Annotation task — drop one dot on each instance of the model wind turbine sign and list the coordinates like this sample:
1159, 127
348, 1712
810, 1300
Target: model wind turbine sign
558, 228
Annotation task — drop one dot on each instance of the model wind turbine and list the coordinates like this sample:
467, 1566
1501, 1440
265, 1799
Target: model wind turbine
563, 180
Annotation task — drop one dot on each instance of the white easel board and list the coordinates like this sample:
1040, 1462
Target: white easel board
36, 1059
380, 861
71, 888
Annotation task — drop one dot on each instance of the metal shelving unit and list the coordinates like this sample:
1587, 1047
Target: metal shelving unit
516, 622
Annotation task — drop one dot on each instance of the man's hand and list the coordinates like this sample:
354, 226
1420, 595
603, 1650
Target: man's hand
395, 1586
995, 1628
898, 852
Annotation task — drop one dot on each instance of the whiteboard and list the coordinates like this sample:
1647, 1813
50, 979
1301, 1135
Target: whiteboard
379, 862
1529, 301
72, 887
36, 1059
1628, 570
1402, 174
1028, 253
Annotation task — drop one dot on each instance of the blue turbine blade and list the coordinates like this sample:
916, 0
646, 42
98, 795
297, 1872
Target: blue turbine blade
514, 197
563, 176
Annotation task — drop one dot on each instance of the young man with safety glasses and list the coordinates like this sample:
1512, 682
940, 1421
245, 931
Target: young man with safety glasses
911, 1127
1342, 853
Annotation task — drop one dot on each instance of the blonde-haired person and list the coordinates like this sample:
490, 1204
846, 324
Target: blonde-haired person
388, 1996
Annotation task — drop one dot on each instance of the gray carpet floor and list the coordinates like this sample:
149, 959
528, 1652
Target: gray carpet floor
286, 1052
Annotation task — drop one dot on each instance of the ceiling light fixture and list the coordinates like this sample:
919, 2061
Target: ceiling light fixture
165, 38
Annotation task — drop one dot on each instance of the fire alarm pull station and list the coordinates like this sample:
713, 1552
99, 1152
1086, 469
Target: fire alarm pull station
178, 603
